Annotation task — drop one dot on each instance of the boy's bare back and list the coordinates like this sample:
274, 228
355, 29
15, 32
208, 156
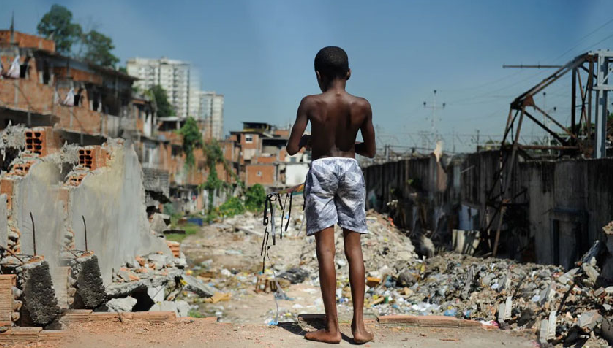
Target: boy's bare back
336, 117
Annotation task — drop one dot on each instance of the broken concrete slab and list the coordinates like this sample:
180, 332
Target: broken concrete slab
588, 320
121, 304
156, 293
194, 285
181, 308
125, 289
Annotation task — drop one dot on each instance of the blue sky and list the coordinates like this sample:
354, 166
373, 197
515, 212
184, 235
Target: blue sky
259, 54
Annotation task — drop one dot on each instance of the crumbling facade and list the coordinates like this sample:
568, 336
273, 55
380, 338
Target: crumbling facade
559, 211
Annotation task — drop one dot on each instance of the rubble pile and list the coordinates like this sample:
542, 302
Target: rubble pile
563, 307
155, 282
385, 250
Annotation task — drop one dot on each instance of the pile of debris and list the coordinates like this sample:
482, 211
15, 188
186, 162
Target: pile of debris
562, 307
154, 282
385, 248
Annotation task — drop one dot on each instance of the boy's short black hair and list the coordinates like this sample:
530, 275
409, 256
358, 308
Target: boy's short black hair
332, 62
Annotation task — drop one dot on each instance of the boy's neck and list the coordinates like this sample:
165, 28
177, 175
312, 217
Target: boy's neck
336, 85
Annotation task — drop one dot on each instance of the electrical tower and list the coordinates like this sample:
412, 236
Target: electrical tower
433, 130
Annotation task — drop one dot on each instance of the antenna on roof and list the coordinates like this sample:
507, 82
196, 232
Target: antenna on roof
13, 28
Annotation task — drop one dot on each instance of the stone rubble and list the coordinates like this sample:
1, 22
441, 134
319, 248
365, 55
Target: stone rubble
163, 278
562, 307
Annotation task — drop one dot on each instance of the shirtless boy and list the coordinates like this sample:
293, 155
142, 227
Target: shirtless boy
335, 190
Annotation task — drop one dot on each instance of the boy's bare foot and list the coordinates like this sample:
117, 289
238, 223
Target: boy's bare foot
360, 335
324, 335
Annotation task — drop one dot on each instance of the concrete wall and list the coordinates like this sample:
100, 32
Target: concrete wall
560, 207
570, 202
36, 193
112, 202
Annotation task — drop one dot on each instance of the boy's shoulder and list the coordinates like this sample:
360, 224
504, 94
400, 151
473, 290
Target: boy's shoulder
318, 99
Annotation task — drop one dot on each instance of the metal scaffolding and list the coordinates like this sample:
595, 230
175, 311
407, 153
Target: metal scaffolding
585, 137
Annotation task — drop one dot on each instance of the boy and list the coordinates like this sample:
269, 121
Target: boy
335, 190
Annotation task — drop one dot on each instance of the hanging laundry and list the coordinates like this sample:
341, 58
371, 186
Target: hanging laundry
15, 68
69, 100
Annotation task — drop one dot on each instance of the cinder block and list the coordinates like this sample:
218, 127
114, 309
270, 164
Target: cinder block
42, 141
93, 157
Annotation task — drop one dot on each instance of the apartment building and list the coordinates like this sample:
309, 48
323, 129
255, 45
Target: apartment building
211, 114
180, 80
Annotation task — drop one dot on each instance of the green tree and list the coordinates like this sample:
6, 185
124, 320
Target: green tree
98, 49
57, 25
191, 140
232, 207
255, 197
161, 101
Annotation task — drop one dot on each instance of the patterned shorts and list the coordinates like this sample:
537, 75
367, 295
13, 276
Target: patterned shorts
334, 193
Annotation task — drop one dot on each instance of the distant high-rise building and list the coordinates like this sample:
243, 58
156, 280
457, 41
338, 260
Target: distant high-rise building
211, 114
180, 80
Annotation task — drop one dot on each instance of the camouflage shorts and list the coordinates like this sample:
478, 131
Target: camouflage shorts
334, 194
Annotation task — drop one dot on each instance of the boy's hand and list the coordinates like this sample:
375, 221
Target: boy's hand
305, 142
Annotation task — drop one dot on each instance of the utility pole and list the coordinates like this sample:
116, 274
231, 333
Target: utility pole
433, 131
546, 120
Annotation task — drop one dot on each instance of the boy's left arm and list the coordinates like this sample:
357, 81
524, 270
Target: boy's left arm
296, 140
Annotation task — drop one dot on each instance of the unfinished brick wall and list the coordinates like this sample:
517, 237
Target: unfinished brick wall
77, 75
263, 174
174, 137
253, 144
264, 159
283, 133
6, 187
26, 40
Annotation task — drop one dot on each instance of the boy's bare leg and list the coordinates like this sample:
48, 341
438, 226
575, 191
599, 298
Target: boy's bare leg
327, 279
353, 252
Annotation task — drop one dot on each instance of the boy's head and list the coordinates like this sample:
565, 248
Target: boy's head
331, 63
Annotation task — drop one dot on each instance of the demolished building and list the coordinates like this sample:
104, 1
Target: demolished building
541, 203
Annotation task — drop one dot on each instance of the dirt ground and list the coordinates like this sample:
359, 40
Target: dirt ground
196, 333
243, 321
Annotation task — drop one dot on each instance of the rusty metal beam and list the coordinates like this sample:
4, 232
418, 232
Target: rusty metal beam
588, 88
583, 96
555, 135
544, 113
519, 101
507, 179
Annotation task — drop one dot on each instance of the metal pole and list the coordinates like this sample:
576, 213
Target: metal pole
572, 102
588, 89
601, 106
33, 233
85, 229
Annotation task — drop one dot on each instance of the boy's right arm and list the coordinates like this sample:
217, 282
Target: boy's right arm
368, 147
294, 144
